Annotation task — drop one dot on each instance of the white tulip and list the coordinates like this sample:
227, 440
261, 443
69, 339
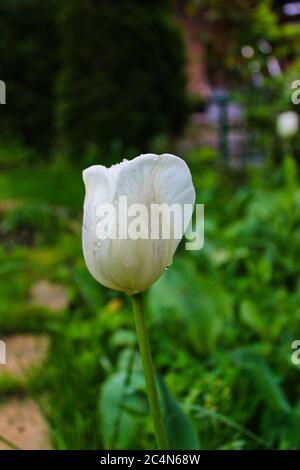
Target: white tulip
287, 124
132, 265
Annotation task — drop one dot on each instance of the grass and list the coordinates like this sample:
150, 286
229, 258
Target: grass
57, 183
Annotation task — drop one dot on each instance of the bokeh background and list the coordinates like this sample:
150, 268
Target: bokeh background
97, 81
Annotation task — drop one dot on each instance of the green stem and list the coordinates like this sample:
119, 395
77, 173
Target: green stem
143, 340
9, 443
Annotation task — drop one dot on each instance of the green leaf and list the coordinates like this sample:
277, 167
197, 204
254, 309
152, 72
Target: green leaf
179, 427
89, 289
199, 302
265, 269
290, 172
250, 316
264, 379
119, 410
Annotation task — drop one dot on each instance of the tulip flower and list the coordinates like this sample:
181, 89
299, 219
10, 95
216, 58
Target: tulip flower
287, 124
126, 264
129, 260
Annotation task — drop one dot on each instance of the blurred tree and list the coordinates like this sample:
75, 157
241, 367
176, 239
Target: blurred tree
122, 74
28, 67
240, 39
252, 50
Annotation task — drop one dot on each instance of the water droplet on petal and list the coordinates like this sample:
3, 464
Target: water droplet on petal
97, 244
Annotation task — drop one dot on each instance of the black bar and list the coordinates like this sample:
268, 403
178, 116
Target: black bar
134, 459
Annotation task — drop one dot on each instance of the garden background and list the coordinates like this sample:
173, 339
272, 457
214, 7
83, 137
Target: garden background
93, 82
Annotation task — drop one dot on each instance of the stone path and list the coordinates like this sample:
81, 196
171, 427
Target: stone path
22, 423
50, 295
21, 420
24, 353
